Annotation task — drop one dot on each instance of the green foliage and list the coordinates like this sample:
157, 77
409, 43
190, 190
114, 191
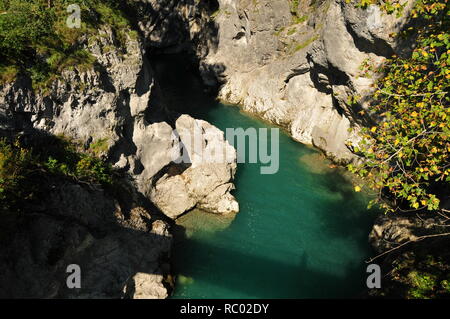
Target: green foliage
294, 7
22, 23
388, 6
14, 162
301, 19
366, 68
291, 31
423, 272
445, 285
295, 14
304, 44
428, 277
99, 147
24, 170
64, 158
422, 284
35, 39
407, 155
8, 73
28, 174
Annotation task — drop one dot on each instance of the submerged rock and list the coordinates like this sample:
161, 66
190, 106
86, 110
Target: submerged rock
198, 221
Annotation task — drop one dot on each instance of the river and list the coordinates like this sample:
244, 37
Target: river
300, 233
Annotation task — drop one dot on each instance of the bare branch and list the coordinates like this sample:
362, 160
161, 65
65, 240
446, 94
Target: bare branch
406, 243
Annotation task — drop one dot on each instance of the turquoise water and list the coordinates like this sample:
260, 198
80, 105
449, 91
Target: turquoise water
300, 233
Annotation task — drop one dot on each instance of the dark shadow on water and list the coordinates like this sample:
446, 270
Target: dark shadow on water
250, 274
355, 220
257, 276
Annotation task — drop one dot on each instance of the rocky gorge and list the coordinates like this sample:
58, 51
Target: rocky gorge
116, 104
294, 64
300, 66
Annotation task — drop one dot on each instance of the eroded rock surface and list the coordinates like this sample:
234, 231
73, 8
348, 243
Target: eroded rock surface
114, 108
119, 104
203, 177
300, 68
297, 69
89, 228
390, 231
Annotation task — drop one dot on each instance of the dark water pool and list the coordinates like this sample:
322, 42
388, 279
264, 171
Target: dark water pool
301, 233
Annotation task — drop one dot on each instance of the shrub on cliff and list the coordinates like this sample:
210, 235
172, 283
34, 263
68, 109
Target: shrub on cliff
14, 162
407, 154
35, 38
25, 172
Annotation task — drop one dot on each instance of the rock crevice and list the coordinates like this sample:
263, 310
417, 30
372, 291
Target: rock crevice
301, 70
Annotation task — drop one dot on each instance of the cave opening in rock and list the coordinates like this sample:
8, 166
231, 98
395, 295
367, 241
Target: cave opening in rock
181, 85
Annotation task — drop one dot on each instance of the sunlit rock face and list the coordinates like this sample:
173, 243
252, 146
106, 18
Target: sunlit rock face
297, 73
116, 101
119, 102
299, 67
203, 176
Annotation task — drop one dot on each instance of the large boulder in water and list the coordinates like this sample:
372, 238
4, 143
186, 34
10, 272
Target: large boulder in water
203, 177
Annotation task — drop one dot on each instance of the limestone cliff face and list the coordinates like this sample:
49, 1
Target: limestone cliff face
119, 103
175, 25
123, 251
299, 67
297, 72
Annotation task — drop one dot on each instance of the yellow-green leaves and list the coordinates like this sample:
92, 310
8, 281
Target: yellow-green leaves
407, 154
